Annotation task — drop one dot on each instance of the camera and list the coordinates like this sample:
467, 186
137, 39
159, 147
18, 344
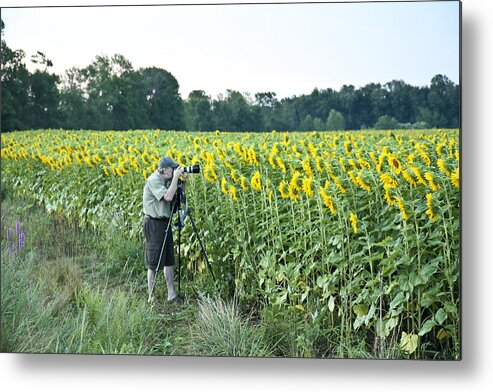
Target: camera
192, 169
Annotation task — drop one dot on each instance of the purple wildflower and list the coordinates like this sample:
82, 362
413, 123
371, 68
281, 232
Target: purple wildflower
17, 228
21, 240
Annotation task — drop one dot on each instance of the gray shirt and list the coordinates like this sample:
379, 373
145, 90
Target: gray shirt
154, 203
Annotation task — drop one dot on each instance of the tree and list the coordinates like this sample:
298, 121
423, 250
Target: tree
97, 83
44, 99
44, 95
15, 88
318, 124
165, 106
347, 95
443, 102
234, 113
266, 100
198, 112
401, 101
264, 107
307, 123
73, 100
386, 122
335, 121
431, 118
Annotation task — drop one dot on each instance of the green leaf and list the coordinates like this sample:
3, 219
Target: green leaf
357, 323
321, 281
427, 327
398, 299
331, 303
440, 316
360, 309
384, 328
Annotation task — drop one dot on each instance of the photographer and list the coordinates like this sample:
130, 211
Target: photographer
159, 192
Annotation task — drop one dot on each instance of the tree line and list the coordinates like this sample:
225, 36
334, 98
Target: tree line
109, 94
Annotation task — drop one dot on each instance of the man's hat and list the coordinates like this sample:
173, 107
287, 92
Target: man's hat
167, 161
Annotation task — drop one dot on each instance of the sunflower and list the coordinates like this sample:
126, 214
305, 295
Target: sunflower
388, 180
441, 165
232, 192
338, 183
401, 206
409, 178
224, 184
429, 204
390, 201
425, 157
417, 174
256, 181
439, 148
243, 183
346, 148
454, 177
280, 163
293, 186
209, 173
343, 166
233, 175
327, 200
451, 148
394, 163
354, 222
307, 167
282, 190
307, 186
362, 183
434, 187
353, 178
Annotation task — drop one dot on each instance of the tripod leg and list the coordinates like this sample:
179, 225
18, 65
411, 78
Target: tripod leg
179, 259
201, 245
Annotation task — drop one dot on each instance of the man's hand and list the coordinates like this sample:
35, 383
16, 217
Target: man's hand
178, 172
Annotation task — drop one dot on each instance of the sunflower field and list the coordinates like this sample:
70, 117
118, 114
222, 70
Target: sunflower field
353, 235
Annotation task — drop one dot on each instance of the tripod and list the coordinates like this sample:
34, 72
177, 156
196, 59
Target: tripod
182, 214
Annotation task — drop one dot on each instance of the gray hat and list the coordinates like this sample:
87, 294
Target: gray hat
167, 161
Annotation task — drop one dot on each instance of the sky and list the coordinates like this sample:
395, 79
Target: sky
289, 49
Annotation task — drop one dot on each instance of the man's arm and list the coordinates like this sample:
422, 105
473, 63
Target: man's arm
170, 193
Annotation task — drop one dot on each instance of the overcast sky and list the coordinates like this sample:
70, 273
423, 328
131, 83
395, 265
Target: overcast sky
286, 48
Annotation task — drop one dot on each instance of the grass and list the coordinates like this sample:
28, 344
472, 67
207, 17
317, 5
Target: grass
221, 330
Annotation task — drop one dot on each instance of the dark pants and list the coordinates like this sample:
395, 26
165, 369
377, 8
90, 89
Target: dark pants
154, 232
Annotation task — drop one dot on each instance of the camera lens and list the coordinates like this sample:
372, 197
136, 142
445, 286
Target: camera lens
192, 169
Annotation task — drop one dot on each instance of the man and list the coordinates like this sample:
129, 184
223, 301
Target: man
159, 191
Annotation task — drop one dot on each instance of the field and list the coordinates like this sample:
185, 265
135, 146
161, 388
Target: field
322, 244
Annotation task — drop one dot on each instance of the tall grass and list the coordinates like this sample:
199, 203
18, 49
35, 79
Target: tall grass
221, 330
73, 293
